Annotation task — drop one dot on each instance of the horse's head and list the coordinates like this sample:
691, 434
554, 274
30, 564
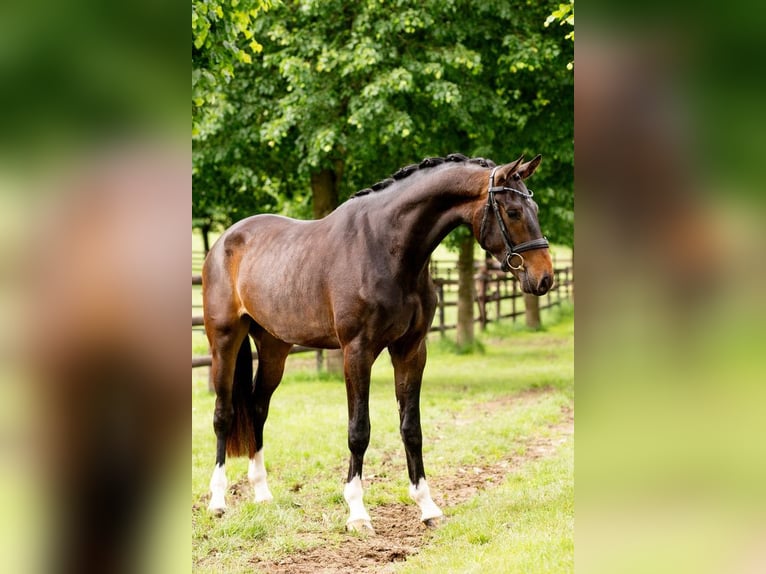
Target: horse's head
505, 224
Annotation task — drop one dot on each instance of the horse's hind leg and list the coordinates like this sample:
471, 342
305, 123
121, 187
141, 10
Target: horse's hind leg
271, 365
409, 360
231, 358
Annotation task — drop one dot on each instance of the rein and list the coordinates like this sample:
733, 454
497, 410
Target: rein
511, 249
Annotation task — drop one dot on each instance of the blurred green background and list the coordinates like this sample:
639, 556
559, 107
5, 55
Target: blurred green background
670, 128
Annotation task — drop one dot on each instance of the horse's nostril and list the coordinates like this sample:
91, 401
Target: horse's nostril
545, 283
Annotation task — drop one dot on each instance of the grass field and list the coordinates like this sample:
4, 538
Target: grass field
498, 449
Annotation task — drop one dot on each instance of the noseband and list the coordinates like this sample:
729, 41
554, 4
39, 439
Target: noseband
510, 248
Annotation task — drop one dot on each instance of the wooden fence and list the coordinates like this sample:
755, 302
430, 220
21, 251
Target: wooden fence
492, 289
496, 294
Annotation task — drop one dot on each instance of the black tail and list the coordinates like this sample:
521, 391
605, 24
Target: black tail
241, 439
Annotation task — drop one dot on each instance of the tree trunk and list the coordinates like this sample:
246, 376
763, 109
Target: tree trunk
333, 361
465, 293
324, 194
205, 231
532, 310
324, 189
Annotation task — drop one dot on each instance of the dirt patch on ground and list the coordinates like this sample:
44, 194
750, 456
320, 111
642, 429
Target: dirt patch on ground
398, 532
468, 480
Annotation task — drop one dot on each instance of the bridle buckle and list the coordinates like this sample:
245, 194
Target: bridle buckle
510, 256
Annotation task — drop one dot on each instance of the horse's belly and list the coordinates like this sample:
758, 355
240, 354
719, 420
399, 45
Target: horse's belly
301, 332
292, 316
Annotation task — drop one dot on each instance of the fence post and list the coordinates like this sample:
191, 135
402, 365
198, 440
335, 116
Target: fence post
513, 299
482, 296
333, 360
549, 298
442, 328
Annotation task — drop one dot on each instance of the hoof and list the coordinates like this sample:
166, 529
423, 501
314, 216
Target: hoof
435, 522
217, 511
363, 526
263, 497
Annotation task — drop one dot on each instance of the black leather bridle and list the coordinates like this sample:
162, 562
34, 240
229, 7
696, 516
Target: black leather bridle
510, 248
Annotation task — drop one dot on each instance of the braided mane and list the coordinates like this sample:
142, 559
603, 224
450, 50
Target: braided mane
425, 164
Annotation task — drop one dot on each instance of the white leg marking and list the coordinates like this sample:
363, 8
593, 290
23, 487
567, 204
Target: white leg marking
218, 486
421, 494
256, 473
353, 495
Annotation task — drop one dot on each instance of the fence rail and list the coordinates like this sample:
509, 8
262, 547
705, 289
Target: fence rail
492, 289
207, 360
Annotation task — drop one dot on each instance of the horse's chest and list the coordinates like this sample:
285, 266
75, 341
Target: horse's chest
385, 317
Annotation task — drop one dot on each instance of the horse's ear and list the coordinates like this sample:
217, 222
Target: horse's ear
507, 170
527, 169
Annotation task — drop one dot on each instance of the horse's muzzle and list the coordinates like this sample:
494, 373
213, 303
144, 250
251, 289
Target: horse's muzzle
536, 286
544, 285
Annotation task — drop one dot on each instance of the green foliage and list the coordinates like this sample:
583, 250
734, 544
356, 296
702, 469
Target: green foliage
564, 15
364, 88
222, 37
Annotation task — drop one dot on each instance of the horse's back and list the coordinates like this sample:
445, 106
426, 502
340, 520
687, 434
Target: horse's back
316, 283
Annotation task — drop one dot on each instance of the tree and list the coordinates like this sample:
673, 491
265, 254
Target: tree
564, 15
342, 94
347, 93
465, 295
225, 188
222, 37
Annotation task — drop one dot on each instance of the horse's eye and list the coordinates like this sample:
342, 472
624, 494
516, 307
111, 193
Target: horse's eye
514, 214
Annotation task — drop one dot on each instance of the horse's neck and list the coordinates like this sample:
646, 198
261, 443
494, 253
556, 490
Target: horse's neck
422, 215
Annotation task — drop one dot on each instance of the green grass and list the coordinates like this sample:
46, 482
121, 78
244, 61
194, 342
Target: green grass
477, 409
524, 525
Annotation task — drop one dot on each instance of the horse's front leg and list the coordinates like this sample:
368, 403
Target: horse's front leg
357, 362
409, 360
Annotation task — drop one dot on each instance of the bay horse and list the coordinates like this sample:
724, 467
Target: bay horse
356, 280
